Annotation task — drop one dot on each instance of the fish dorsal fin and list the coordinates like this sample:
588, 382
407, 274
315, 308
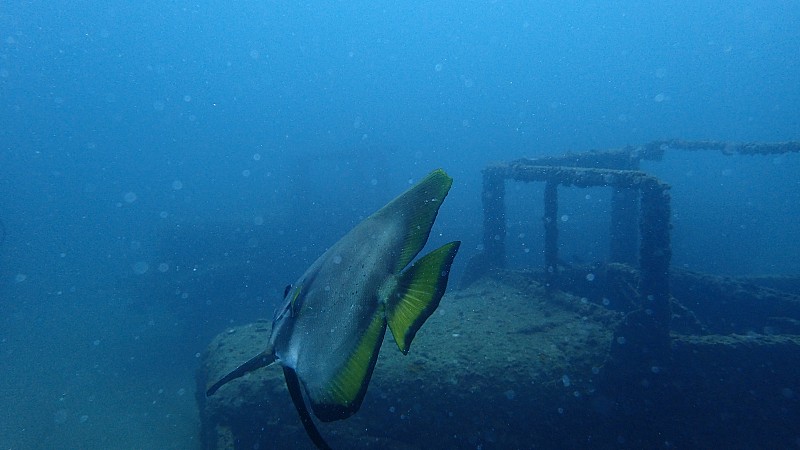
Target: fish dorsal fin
340, 396
417, 294
418, 206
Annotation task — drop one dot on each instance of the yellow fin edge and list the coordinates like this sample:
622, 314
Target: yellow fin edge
418, 292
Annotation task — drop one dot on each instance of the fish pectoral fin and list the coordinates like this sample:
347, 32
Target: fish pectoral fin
417, 294
263, 359
339, 396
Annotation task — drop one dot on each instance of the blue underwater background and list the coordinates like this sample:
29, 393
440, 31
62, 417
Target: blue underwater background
145, 145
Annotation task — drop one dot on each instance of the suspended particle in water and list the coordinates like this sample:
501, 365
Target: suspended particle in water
130, 197
60, 416
140, 268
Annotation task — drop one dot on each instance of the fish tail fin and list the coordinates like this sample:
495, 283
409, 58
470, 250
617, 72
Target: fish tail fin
293, 384
417, 294
263, 359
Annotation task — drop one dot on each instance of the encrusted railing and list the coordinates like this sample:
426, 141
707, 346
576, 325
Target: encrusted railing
637, 197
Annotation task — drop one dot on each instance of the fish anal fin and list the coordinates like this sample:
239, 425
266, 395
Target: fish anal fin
293, 385
342, 395
417, 294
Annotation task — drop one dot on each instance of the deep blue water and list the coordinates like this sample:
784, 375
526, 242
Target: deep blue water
145, 145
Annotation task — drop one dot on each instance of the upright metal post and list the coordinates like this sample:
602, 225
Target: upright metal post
655, 252
551, 227
624, 227
494, 217
647, 329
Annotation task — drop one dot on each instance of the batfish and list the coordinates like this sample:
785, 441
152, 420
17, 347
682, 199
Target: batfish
328, 331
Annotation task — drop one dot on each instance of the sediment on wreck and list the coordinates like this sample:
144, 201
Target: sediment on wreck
508, 363
475, 374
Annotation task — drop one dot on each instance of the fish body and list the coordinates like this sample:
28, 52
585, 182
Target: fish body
328, 332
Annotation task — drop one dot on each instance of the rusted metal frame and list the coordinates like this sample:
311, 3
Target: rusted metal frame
649, 329
655, 150
655, 252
